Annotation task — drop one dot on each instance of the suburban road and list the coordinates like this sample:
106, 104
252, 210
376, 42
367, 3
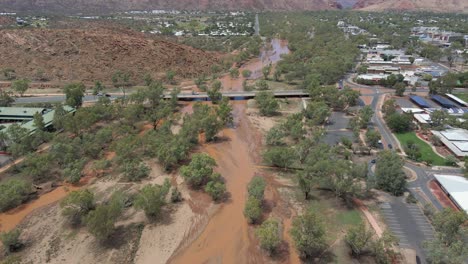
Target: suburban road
406, 221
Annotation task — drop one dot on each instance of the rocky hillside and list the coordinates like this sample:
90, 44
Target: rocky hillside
95, 54
413, 5
106, 6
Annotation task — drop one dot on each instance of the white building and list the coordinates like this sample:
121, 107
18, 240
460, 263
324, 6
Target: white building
456, 187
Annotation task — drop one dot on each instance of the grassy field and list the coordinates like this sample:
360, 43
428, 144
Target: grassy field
426, 151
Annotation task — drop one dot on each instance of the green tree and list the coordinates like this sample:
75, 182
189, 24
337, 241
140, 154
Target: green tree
308, 234
283, 157
382, 249
74, 94
199, 170
215, 92
20, 86
98, 88
246, 73
152, 198
399, 123
216, 189
100, 222
450, 224
274, 136
77, 205
267, 103
317, 112
224, 111
38, 121
389, 107
266, 71
58, 120
13, 193
269, 235
170, 76
234, 73
135, 171
441, 253
148, 79
121, 80
6, 99
262, 85
253, 210
400, 88
10, 240
256, 187
373, 137
358, 239
389, 173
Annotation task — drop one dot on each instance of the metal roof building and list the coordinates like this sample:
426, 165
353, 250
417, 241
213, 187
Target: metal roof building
421, 102
456, 188
444, 102
19, 113
48, 118
457, 100
455, 139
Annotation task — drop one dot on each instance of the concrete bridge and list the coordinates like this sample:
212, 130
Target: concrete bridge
243, 95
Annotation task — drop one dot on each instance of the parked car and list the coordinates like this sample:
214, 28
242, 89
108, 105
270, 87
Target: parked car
373, 161
104, 94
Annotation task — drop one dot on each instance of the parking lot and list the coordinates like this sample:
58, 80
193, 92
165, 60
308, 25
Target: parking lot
408, 223
337, 128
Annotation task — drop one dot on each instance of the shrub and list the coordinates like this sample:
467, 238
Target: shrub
269, 235
77, 205
134, 171
216, 190
253, 210
256, 187
176, 195
13, 193
152, 198
10, 240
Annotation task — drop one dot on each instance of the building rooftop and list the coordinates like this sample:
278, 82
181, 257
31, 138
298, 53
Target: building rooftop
455, 139
456, 187
19, 113
456, 99
443, 101
420, 101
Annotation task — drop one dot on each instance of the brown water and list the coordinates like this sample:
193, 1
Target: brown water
13, 217
226, 237
268, 55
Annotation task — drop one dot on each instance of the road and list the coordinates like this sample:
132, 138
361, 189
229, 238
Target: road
405, 221
257, 26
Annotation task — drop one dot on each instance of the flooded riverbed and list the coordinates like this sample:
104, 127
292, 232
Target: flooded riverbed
270, 54
226, 238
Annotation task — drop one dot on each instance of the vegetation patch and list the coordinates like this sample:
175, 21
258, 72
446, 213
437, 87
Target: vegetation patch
427, 154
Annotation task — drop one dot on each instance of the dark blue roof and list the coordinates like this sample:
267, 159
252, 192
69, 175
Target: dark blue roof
443, 101
420, 101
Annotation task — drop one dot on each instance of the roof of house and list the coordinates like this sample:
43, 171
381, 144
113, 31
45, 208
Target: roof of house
456, 187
